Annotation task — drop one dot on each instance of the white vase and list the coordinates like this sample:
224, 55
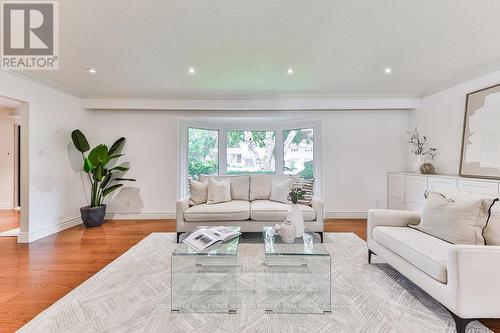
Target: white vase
295, 216
287, 232
417, 162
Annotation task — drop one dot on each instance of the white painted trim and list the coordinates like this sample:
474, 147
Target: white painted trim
141, 216
28, 237
279, 103
346, 215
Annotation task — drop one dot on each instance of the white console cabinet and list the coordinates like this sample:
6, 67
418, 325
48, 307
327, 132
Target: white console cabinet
406, 190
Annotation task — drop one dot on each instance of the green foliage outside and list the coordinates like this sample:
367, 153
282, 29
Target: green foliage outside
234, 138
308, 172
202, 155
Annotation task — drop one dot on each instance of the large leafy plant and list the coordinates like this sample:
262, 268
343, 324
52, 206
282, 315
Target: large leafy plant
103, 178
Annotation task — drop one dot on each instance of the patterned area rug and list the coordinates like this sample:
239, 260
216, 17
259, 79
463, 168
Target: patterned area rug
132, 294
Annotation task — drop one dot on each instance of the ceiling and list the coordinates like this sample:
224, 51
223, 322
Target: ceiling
143, 48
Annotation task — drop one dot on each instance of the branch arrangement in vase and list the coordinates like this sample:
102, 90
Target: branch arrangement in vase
103, 178
296, 194
418, 145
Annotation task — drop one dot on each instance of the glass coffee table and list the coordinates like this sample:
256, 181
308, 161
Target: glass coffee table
205, 281
297, 275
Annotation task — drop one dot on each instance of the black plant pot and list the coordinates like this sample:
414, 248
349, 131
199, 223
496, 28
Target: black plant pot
93, 216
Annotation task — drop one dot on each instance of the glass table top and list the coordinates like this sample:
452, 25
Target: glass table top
307, 245
229, 248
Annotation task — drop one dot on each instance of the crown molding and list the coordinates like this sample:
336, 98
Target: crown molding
289, 103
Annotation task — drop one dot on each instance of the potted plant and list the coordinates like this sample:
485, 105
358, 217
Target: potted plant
103, 178
294, 213
418, 146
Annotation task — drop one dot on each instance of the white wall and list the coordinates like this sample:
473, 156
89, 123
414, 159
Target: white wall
440, 117
6, 162
359, 147
54, 188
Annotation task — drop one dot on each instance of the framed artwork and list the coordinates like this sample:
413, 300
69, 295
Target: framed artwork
481, 136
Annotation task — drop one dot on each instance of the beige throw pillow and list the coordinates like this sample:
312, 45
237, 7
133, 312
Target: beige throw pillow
218, 191
260, 187
458, 221
198, 191
280, 190
240, 185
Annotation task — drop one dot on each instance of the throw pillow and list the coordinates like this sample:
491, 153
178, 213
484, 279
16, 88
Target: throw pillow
458, 221
218, 191
240, 185
280, 190
307, 186
260, 187
198, 192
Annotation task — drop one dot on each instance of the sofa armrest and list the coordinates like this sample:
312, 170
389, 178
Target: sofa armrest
474, 277
390, 218
317, 205
182, 206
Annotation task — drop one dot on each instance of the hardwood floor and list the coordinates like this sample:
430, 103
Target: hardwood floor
9, 219
34, 276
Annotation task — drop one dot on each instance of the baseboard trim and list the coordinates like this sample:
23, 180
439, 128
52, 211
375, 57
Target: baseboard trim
141, 216
28, 237
346, 215
6, 206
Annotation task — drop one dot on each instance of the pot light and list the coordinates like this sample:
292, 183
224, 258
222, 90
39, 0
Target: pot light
290, 71
191, 70
91, 70
388, 70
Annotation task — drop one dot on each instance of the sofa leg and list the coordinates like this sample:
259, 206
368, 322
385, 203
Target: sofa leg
178, 235
460, 323
320, 236
370, 252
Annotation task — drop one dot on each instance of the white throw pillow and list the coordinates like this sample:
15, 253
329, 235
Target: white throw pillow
218, 191
280, 190
458, 221
260, 187
198, 192
240, 185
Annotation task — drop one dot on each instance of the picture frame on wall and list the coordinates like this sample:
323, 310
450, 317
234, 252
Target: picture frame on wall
480, 156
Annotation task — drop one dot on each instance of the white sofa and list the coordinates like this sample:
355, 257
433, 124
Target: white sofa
463, 278
248, 213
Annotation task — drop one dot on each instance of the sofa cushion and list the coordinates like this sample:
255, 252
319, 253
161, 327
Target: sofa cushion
423, 251
236, 210
260, 187
459, 220
491, 232
280, 188
240, 185
266, 210
198, 192
218, 191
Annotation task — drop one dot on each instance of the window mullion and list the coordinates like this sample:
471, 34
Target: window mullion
222, 152
279, 157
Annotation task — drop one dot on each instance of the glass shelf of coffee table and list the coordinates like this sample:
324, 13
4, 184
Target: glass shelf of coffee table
205, 282
297, 275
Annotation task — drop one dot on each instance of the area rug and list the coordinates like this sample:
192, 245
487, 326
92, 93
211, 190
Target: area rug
132, 294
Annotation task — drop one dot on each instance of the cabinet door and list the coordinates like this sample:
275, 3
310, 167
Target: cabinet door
415, 192
395, 191
479, 186
436, 183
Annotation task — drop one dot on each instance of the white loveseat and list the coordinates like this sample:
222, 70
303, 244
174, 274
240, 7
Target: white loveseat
463, 278
248, 213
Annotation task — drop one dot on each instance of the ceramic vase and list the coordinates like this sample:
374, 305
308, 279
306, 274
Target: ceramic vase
287, 232
418, 160
295, 216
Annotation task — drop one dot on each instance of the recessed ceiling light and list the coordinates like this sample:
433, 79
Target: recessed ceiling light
388, 70
91, 70
191, 70
290, 71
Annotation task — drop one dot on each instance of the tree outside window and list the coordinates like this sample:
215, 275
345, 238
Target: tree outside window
250, 152
202, 152
298, 149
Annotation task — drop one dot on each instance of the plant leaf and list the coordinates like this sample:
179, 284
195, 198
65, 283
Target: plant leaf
119, 168
115, 156
99, 155
106, 180
124, 179
116, 145
87, 166
80, 141
111, 189
98, 172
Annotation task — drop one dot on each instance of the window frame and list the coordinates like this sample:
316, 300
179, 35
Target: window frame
225, 124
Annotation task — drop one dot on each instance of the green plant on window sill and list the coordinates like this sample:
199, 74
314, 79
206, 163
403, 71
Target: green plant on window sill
296, 194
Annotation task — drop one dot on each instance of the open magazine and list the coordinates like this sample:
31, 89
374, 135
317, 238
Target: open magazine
203, 238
